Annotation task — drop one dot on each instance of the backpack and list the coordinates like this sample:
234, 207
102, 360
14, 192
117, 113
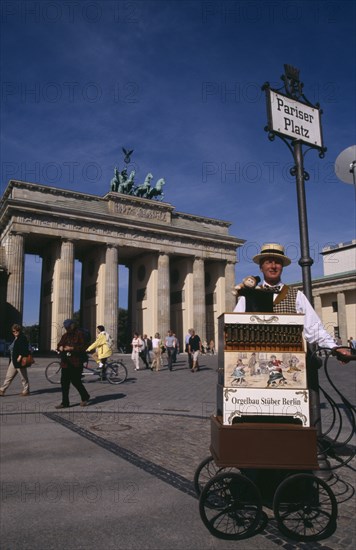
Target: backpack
109, 340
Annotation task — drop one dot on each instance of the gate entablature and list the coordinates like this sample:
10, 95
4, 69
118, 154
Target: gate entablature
102, 232
115, 218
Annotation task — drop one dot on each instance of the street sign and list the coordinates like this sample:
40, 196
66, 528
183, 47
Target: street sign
293, 119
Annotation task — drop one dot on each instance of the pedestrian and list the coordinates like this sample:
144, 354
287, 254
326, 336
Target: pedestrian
156, 348
18, 349
194, 349
187, 338
148, 348
144, 352
176, 348
170, 343
103, 347
352, 343
137, 345
283, 298
72, 352
212, 347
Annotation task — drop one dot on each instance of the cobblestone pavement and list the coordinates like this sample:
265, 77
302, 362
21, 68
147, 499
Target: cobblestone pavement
159, 423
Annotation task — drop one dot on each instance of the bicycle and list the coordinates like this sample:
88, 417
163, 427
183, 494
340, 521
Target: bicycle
115, 372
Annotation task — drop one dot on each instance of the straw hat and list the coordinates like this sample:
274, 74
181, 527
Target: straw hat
272, 250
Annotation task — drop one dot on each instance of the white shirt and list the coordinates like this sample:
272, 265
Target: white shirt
137, 344
314, 332
156, 342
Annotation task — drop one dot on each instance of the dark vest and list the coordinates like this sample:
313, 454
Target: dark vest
261, 301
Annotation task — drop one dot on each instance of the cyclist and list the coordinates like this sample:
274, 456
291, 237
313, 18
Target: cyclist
103, 347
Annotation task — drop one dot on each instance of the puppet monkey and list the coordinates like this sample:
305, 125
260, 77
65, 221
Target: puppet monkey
248, 282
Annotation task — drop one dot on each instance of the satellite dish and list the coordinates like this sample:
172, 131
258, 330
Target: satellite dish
345, 165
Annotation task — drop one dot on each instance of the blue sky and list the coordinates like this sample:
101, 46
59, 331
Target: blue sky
180, 83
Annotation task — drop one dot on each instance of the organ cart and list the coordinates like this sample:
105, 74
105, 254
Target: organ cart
263, 446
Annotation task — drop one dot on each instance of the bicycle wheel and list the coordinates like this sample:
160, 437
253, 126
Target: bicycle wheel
305, 508
230, 506
116, 373
53, 372
91, 364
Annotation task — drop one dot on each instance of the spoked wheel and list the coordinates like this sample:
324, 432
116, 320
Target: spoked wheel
205, 471
91, 364
53, 372
230, 506
305, 508
116, 373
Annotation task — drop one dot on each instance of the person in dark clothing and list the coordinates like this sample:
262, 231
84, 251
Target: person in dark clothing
72, 351
194, 349
145, 352
18, 349
170, 344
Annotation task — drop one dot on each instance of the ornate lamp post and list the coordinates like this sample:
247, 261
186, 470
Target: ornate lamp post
293, 118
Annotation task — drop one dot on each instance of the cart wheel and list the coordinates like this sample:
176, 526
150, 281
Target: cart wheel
205, 471
230, 506
305, 508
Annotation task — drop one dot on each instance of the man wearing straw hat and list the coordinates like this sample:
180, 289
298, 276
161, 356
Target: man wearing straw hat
285, 299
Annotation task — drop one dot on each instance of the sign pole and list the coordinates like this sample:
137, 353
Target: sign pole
305, 261
299, 121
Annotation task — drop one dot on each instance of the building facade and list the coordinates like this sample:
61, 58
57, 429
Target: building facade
335, 293
181, 266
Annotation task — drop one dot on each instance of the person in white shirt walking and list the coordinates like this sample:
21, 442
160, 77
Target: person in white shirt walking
156, 348
137, 346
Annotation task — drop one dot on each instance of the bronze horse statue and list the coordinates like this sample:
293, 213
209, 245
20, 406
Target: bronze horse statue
144, 189
157, 190
126, 184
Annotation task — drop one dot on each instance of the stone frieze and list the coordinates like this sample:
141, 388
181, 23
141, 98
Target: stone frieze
140, 212
134, 236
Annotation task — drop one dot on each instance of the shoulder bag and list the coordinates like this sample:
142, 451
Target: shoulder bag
27, 361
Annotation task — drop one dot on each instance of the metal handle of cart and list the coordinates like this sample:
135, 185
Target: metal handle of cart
341, 421
341, 357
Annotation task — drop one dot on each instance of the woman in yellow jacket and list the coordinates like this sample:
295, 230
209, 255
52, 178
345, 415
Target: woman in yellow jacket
102, 346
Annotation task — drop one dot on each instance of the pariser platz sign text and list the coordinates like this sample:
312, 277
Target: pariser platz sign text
294, 119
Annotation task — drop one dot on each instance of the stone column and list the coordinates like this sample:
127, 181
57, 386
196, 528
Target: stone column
111, 307
341, 317
199, 298
230, 299
163, 294
15, 284
46, 299
66, 282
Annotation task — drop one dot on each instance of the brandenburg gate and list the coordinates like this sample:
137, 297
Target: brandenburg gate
181, 266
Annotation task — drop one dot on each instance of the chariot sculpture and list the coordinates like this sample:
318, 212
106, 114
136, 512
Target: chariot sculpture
122, 183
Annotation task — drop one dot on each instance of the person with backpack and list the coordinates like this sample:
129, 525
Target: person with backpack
103, 347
